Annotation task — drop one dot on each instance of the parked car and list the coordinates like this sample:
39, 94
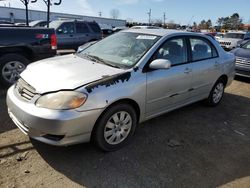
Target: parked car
219, 36
245, 40
73, 33
145, 27
38, 23
231, 39
243, 59
103, 92
20, 46
107, 32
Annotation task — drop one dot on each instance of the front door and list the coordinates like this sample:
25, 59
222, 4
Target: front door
167, 88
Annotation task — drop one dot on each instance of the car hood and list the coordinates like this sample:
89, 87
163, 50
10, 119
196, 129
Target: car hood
243, 53
65, 72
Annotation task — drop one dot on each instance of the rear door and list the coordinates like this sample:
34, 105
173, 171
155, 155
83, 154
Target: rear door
169, 88
206, 66
83, 33
66, 36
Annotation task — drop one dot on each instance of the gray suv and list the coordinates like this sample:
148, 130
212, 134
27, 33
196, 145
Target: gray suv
73, 33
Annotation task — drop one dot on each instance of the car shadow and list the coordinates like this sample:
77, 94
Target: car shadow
196, 146
242, 79
5, 122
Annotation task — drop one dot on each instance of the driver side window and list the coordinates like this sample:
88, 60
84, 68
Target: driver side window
174, 50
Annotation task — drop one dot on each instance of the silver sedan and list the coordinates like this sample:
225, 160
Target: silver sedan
102, 92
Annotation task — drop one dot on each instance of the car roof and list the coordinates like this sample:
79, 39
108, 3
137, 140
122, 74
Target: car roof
157, 32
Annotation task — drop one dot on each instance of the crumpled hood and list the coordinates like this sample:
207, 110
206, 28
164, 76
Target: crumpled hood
65, 72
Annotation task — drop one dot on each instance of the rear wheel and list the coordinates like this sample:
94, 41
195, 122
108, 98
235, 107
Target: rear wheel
216, 93
115, 127
11, 66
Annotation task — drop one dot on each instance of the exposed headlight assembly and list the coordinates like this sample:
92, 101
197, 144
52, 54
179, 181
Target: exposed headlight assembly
63, 100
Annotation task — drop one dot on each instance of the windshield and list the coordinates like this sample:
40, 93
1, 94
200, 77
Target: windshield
234, 35
121, 50
246, 46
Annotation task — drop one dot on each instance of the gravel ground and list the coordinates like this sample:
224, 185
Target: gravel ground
196, 146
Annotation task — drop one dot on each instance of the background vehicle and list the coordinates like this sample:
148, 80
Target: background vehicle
243, 59
38, 23
103, 92
145, 27
73, 33
219, 36
21, 45
245, 40
107, 32
231, 39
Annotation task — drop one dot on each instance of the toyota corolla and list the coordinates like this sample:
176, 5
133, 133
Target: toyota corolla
106, 89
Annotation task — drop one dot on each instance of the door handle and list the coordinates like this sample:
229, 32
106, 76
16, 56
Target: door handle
187, 70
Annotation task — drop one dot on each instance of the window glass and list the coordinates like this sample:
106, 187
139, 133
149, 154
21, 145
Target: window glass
201, 49
174, 50
82, 28
66, 28
95, 27
121, 49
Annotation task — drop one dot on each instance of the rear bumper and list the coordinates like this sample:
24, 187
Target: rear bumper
55, 127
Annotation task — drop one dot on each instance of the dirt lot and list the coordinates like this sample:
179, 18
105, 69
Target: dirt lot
195, 146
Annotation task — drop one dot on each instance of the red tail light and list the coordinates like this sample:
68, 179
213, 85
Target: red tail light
53, 42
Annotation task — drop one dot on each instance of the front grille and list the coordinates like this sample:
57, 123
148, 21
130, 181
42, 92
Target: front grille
26, 91
225, 43
243, 62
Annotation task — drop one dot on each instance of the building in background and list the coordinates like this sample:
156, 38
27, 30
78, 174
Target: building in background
17, 15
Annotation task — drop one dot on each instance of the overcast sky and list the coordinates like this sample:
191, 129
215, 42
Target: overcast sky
180, 11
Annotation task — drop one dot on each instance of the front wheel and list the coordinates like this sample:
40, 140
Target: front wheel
115, 127
216, 93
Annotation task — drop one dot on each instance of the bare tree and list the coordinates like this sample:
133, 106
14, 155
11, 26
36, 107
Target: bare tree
115, 13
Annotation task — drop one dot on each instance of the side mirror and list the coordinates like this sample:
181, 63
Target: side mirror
160, 64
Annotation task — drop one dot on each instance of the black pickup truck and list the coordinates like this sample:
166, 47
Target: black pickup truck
20, 46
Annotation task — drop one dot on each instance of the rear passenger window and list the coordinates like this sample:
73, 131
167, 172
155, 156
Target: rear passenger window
66, 28
95, 27
202, 49
82, 28
174, 50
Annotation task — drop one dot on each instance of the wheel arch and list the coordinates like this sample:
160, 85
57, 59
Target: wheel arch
131, 102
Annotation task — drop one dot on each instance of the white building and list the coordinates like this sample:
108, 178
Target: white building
16, 15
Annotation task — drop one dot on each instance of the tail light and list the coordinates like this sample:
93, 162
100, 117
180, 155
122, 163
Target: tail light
53, 42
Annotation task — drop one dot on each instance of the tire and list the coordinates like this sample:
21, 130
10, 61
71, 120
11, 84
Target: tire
216, 93
115, 127
11, 66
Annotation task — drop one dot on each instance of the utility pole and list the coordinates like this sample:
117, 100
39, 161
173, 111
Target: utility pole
164, 18
26, 3
149, 16
48, 4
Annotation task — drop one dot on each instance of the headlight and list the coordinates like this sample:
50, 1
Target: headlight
63, 100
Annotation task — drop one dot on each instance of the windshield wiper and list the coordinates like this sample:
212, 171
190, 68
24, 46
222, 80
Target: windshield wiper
100, 60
